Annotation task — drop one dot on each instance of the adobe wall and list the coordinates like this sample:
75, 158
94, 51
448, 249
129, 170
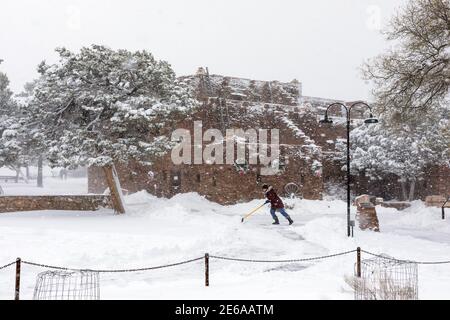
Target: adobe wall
218, 183
223, 183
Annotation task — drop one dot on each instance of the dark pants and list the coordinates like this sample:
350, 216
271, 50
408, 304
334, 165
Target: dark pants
282, 211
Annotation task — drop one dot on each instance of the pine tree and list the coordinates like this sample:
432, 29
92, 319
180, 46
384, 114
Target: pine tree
33, 142
379, 149
10, 127
101, 106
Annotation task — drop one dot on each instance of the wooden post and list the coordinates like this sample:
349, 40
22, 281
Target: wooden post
115, 189
206, 269
358, 262
17, 291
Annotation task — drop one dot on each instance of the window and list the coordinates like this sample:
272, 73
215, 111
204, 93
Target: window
176, 179
282, 163
241, 166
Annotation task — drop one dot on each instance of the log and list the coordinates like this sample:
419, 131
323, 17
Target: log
115, 189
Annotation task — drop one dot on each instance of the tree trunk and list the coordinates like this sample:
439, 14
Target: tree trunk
27, 168
114, 188
404, 193
22, 175
17, 174
40, 178
412, 187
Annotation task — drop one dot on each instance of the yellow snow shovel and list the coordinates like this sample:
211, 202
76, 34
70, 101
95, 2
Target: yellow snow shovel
249, 214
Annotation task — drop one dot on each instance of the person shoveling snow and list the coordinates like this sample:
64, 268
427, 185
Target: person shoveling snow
275, 204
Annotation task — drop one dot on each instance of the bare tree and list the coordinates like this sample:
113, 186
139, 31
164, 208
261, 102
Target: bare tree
414, 76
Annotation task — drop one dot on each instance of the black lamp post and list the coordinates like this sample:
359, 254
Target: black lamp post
370, 120
443, 207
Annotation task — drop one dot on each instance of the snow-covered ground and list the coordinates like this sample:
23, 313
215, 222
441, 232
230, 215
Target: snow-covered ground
52, 186
159, 231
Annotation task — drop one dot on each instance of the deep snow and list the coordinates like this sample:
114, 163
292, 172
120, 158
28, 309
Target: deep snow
158, 231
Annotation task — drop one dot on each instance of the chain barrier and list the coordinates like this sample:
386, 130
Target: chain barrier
7, 265
113, 271
224, 258
405, 261
284, 261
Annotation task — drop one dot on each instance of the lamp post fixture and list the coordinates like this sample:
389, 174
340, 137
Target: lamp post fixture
370, 120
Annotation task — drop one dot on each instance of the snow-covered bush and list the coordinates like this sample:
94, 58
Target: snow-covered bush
336, 191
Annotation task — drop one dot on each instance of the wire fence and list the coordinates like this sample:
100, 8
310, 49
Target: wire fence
206, 258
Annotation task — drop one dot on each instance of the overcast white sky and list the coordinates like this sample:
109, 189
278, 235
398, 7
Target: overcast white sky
322, 43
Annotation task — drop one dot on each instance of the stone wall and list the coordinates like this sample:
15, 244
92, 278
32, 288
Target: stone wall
69, 202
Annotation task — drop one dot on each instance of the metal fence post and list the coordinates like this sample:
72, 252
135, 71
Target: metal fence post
206, 269
358, 262
17, 291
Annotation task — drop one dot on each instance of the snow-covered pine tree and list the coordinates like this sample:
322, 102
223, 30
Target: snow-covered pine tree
10, 128
33, 143
102, 106
379, 149
5, 92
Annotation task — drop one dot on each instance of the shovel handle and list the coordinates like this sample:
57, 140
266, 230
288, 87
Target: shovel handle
249, 214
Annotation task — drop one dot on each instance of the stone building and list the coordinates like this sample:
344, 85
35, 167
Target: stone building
306, 163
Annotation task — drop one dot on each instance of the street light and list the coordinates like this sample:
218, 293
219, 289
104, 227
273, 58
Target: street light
370, 120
